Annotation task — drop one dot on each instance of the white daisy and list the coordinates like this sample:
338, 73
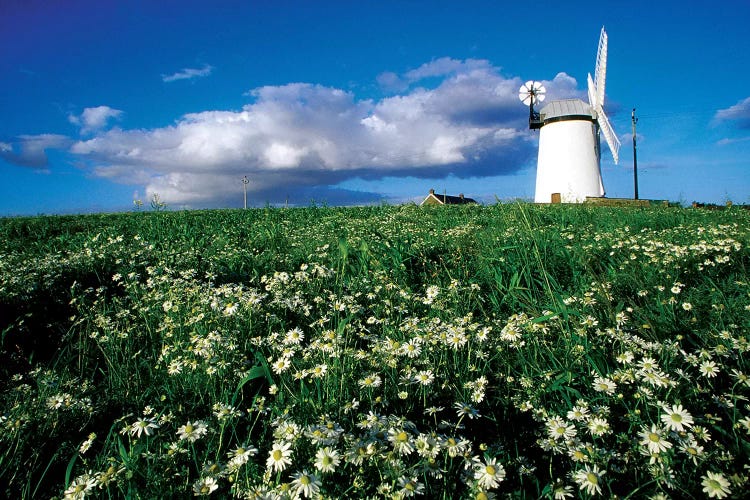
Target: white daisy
557, 428
205, 486
708, 369
410, 487
192, 431
677, 418
326, 459
465, 410
401, 441
80, 487
424, 377
589, 479
294, 336
241, 455
280, 457
412, 348
578, 413
604, 384
654, 440
692, 449
142, 426
280, 365
715, 485
306, 484
489, 474
370, 381
598, 426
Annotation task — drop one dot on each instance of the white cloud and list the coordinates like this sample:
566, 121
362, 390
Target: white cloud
299, 135
446, 66
739, 114
284, 155
436, 68
188, 73
31, 150
94, 119
391, 82
727, 141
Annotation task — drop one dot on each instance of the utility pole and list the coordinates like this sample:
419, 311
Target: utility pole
635, 157
245, 181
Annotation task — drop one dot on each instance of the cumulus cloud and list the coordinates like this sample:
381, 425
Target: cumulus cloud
391, 82
304, 138
738, 114
188, 73
442, 67
446, 66
31, 150
94, 119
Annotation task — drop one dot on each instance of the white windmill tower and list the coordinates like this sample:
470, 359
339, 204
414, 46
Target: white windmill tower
569, 146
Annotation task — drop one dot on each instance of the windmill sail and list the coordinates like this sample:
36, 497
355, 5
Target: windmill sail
600, 74
596, 96
609, 135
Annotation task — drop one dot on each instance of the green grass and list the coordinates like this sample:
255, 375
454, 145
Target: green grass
445, 351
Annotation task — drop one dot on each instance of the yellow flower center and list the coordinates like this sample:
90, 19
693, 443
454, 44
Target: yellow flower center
277, 455
491, 471
591, 478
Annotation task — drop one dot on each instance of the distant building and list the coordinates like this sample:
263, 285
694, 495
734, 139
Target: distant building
443, 199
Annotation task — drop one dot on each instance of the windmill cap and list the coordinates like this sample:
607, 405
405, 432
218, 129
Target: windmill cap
566, 109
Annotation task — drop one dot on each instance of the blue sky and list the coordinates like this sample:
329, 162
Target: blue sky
355, 102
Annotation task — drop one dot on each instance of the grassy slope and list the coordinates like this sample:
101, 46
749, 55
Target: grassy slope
557, 275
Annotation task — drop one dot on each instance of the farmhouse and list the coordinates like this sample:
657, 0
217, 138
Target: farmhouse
443, 199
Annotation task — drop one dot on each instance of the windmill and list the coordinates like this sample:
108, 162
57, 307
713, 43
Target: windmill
569, 145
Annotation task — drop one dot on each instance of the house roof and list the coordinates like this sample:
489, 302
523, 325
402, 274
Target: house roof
443, 199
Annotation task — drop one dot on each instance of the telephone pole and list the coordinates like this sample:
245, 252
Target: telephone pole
635, 157
245, 181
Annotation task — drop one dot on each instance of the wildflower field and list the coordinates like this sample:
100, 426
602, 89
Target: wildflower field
501, 351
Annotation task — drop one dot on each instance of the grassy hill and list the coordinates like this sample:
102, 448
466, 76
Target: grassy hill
451, 352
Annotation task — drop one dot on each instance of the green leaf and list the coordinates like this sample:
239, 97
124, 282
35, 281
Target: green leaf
123, 452
69, 469
259, 371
